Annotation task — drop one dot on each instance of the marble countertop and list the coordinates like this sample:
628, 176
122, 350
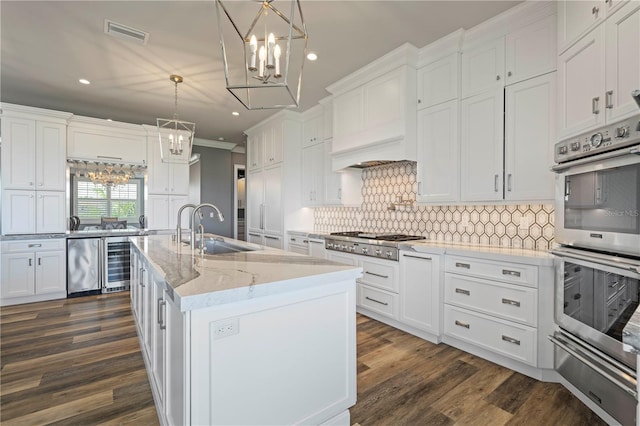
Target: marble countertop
532, 257
631, 333
208, 280
88, 233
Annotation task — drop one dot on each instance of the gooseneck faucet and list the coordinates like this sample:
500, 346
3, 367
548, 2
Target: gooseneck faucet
193, 220
179, 222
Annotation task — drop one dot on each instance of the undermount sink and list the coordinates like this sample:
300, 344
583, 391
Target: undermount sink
217, 246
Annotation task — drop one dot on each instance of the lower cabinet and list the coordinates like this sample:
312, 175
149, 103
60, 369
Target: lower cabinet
420, 289
33, 271
33, 212
272, 241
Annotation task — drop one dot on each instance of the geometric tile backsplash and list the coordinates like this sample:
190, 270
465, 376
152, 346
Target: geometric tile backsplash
388, 205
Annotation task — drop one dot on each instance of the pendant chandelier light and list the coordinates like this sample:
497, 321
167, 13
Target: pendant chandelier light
175, 136
108, 175
263, 65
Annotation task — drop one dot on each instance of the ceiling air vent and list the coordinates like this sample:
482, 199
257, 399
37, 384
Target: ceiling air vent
118, 30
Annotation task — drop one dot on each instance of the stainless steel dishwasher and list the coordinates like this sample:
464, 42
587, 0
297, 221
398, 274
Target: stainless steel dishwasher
84, 266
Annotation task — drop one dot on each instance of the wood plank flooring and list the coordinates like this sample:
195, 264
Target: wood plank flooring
78, 362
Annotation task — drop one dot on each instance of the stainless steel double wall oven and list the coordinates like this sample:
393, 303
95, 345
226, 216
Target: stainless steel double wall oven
598, 263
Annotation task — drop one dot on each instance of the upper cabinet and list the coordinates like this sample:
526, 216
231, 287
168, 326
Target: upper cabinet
577, 18
439, 81
99, 140
598, 72
312, 126
517, 56
374, 111
265, 145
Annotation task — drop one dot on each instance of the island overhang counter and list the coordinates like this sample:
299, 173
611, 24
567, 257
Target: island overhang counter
252, 337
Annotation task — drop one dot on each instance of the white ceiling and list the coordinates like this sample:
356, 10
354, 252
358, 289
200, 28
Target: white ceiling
48, 45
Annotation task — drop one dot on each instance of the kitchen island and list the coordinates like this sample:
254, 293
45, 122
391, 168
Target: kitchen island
250, 336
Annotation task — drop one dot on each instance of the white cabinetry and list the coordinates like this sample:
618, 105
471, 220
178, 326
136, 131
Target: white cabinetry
313, 126
265, 144
33, 271
439, 81
105, 141
438, 153
374, 111
598, 72
167, 187
274, 190
521, 54
576, 18
501, 310
313, 175
33, 170
420, 300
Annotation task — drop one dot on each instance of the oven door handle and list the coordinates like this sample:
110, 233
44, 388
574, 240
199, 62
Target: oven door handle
601, 259
632, 150
574, 352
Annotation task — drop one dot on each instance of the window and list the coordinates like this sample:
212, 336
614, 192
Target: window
93, 201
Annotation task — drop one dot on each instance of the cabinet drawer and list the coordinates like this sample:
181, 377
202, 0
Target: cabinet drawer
515, 273
507, 339
380, 273
379, 301
34, 245
515, 303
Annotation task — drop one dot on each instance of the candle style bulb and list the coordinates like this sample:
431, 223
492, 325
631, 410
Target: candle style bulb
276, 55
261, 55
253, 46
171, 142
271, 41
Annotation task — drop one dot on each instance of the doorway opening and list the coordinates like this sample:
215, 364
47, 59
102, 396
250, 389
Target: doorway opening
239, 202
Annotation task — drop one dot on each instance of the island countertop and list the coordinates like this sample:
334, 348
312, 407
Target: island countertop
206, 280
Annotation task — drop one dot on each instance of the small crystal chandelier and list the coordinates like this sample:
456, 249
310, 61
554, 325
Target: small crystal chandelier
263, 66
175, 136
109, 177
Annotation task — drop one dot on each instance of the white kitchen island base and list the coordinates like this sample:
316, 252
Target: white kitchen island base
283, 358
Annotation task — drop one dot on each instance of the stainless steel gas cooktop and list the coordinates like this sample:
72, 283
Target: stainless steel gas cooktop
383, 245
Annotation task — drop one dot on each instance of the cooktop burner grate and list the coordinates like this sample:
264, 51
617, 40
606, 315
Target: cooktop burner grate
380, 237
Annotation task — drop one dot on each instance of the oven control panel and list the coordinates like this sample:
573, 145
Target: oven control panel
613, 136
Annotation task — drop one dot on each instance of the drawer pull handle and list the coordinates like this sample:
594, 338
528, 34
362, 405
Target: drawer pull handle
377, 275
463, 291
377, 301
416, 257
512, 273
511, 340
511, 302
35, 245
463, 265
462, 324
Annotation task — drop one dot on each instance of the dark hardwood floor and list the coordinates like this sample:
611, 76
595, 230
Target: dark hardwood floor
78, 362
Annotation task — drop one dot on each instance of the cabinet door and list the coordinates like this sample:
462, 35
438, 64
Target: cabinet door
255, 146
438, 153
179, 179
148, 313
483, 68
272, 210
51, 156
327, 120
581, 85
158, 341
51, 272
273, 143
482, 146
158, 171
175, 202
308, 176
18, 212
576, 18
312, 131
531, 51
623, 61
273, 241
175, 364
18, 153
344, 258
420, 291
158, 212
530, 135
332, 180
50, 208
255, 200
438, 82
255, 238
18, 275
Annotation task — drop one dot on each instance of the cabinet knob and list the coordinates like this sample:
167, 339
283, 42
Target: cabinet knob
509, 74
419, 101
497, 77
595, 10
30, 183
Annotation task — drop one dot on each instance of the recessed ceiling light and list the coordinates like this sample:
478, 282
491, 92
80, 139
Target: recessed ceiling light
312, 56
108, 119
220, 139
84, 81
235, 113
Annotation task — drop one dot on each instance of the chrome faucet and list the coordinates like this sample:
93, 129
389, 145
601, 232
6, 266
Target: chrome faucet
193, 220
201, 230
179, 223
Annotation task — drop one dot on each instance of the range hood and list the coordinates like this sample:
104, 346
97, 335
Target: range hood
390, 150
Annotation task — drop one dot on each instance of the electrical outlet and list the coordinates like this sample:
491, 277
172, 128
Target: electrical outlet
225, 328
211, 214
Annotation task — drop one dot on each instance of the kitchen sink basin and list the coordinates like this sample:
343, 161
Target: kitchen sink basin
218, 246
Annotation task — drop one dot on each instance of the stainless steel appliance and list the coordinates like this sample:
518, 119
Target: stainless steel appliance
598, 189
597, 284
384, 246
84, 266
116, 271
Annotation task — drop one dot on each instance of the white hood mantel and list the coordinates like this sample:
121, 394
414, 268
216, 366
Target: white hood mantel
374, 111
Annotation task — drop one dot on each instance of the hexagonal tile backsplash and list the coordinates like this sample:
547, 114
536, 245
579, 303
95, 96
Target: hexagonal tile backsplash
523, 225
